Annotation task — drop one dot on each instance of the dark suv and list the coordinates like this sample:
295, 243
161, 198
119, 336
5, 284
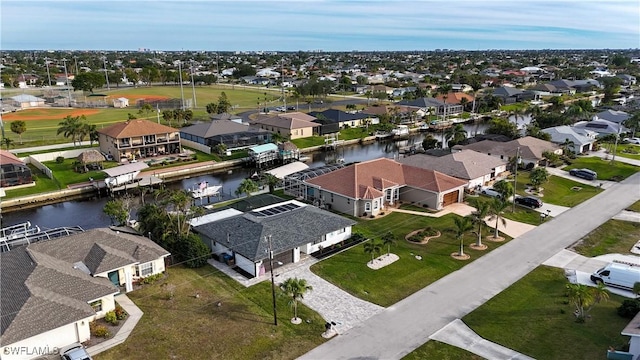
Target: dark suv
584, 173
530, 201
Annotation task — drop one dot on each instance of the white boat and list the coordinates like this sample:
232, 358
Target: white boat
205, 190
400, 130
304, 158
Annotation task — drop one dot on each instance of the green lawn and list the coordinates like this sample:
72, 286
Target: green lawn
635, 207
533, 317
630, 151
606, 170
614, 236
522, 214
441, 351
66, 175
43, 185
394, 282
242, 327
308, 141
560, 191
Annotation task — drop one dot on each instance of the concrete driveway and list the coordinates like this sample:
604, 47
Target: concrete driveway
595, 183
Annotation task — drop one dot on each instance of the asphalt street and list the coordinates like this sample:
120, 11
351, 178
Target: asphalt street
401, 328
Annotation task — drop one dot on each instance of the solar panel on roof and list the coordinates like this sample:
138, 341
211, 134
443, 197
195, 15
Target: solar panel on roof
275, 210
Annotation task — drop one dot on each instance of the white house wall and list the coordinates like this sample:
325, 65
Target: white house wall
49, 341
328, 240
108, 304
337, 202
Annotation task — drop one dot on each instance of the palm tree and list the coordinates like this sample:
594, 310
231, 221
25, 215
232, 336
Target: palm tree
7, 142
70, 127
584, 297
504, 188
463, 225
295, 289
271, 181
478, 216
455, 134
247, 186
388, 239
496, 208
372, 247
518, 113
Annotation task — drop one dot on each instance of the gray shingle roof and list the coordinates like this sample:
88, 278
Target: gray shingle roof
218, 127
422, 102
245, 234
465, 164
42, 289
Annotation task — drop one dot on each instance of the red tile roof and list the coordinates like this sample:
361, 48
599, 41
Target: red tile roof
367, 179
7, 157
133, 128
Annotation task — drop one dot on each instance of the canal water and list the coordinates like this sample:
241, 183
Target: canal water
88, 213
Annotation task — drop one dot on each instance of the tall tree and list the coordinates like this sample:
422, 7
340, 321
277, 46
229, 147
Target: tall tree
295, 289
372, 247
247, 186
478, 216
584, 297
496, 209
388, 239
463, 225
538, 176
88, 81
504, 188
19, 127
502, 126
71, 127
455, 135
223, 103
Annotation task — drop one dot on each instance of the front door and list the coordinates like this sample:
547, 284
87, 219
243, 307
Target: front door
114, 278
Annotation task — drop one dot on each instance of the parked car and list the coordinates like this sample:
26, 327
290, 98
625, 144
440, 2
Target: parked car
634, 140
584, 173
491, 192
74, 352
529, 201
291, 108
281, 109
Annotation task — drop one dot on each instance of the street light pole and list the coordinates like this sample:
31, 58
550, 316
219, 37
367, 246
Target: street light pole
515, 182
193, 87
106, 75
66, 78
273, 283
180, 77
46, 62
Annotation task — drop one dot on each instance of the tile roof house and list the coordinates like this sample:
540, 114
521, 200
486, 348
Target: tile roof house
13, 171
52, 289
370, 186
467, 165
293, 228
582, 140
138, 138
456, 98
292, 125
232, 134
530, 148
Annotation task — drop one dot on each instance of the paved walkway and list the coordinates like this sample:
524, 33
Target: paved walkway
458, 334
399, 329
132, 320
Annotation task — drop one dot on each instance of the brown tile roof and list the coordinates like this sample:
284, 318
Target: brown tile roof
133, 128
7, 157
455, 97
530, 147
367, 179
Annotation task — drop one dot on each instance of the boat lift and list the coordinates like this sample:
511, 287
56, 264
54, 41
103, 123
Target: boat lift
25, 234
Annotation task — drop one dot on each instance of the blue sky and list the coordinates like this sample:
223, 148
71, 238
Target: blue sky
312, 25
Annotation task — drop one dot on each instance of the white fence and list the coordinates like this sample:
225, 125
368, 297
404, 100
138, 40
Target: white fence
194, 145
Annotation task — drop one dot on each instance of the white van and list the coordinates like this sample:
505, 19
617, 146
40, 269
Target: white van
618, 274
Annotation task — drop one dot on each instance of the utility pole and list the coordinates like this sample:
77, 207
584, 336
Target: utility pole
106, 75
193, 87
284, 98
66, 78
615, 146
273, 283
46, 62
515, 182
180, 77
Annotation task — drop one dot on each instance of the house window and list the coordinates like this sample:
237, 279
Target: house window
145, 270
96, 305
341, 231
332, 197
375, 205
367, 206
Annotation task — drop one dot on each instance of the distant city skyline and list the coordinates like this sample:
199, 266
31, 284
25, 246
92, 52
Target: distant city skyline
319, 25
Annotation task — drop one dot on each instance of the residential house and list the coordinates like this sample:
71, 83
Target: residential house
13, 171
633, 331
25, 101
287, 230
614, 116
529, 148
339, 119
602, 127
227, 132
439, 107
579, 140
53, 289
138, 138
461, 88
292, 125
458, 98
627, 80
512, 95
369, 187
475, 168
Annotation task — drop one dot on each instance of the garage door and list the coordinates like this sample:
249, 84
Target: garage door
450, 198
285, 258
